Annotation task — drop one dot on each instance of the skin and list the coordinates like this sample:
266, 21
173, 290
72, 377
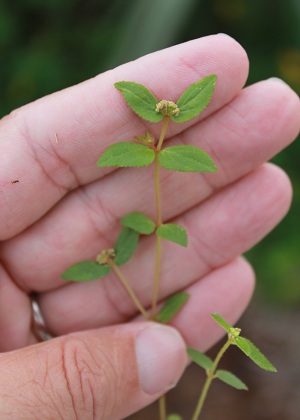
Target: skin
64, 209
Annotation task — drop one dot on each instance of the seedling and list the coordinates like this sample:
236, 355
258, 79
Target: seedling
142, 152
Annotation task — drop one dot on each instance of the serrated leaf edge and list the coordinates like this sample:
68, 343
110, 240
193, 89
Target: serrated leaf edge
177, 118
142, 146
158, 116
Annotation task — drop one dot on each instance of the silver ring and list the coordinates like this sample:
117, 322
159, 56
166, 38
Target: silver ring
39, 326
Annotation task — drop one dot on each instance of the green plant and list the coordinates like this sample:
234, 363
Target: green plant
142, 152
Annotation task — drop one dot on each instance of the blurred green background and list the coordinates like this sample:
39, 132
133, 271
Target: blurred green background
51, 44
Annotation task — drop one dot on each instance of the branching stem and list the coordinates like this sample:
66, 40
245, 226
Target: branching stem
210, 377
129, 290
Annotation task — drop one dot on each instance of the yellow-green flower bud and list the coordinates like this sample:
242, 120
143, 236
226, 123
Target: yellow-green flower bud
106, 256
234, 333
167, 108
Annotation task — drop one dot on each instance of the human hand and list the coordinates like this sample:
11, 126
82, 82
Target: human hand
64, 209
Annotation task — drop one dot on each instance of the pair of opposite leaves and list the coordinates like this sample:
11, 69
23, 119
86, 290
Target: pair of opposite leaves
176, 158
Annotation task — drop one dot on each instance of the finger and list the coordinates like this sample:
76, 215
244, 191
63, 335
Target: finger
53, 144
250, 140
105, 374
224, 226
15, 315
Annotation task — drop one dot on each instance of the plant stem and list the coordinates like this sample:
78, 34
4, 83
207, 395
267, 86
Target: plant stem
157, 191
158, 216
163, 133
129, 289
156, 276
162, 408
162, 400
210, 377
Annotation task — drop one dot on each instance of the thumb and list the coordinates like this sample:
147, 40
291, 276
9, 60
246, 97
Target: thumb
107, 373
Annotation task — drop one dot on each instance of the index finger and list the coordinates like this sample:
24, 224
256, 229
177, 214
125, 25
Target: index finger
52, 145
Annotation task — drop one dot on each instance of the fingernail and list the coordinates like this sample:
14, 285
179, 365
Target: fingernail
276, 79
161, 358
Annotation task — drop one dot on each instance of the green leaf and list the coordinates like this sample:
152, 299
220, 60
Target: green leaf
125, 246
174, 233
127, 154
174, 417
172, 306
85, 271
140, 100
230, 379
139, 222
227, 327
186, 159
254, 354
195, 99
200, 358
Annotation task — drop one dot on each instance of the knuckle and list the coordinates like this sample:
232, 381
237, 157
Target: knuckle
90, 382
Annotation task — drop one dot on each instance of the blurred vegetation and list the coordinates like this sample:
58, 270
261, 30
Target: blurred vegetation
49, 45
